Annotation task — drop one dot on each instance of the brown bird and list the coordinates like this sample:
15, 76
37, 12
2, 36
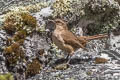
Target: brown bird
65, 39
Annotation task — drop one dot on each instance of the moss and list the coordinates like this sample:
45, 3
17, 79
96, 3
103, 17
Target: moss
20, 35
29, 20
13, 53
18, 21
8, 50
12, 23
9, 41
9, 25
15, 46
21, 41
22, 24
19, 25
33, 68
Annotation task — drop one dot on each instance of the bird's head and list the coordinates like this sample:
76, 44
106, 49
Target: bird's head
61, 23
51, 25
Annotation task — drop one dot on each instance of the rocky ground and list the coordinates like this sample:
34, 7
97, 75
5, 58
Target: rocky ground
100, 62
83, 65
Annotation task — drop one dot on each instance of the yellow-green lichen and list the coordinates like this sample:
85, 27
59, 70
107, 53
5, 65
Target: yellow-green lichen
7, 76
61, 8
29, 8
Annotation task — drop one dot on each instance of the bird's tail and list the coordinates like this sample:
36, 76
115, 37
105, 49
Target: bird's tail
88, 38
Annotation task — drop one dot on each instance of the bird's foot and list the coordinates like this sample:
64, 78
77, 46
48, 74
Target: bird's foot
67, 57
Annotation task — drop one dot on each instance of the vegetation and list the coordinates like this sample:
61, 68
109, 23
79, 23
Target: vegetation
7, 76
19, 23
104, 14
33, 68
14, 53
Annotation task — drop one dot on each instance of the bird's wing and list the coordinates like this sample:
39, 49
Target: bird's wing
71, 39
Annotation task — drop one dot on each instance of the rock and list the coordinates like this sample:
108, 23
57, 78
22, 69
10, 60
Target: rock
33, 44
99, 60
114, 40
63, 66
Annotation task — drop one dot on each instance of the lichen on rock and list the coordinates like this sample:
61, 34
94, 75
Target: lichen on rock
61, 8
104, 14
16, 21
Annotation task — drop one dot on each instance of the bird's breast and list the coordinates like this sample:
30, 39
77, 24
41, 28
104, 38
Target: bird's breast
58, 40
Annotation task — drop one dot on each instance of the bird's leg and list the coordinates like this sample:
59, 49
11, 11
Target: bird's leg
68, 62
67, 57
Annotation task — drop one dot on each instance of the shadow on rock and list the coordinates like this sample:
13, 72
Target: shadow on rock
72, 61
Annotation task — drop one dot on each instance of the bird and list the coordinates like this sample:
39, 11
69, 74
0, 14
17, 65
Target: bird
65, 39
